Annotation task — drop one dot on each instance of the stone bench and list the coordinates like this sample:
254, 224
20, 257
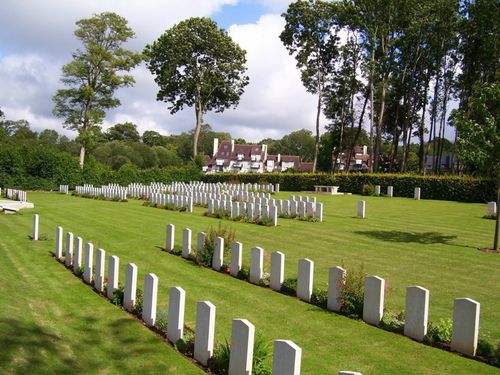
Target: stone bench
326, 189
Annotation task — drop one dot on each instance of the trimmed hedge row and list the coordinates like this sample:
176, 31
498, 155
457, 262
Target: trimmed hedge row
98, 175
454, 188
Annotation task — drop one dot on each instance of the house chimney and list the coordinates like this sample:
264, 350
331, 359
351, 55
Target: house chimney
232, 145
264, 149
365, 150
216, 146
279, 158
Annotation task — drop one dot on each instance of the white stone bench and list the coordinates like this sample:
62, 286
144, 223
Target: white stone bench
326, 189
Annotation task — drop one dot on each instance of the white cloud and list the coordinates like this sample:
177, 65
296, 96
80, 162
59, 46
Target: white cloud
36, 39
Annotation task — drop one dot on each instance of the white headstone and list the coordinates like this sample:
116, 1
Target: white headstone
89, 262
236, 258
59, 242
373, 303
319, 211
305, 279
77, 257
277, 270
35, 227
200, 244
256, 264
492, 208
417, 193
113, 273
99, 270
205, 330
150, 297
218, 256
287, 357
377, 189
129, 292
186, 242
169, 246
336, 281
362, 209
465, 326
416, 312
176, 305
68, 257
242, 340
390, 191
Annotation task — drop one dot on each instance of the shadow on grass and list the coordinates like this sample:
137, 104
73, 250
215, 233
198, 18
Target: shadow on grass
26, 346
399, 236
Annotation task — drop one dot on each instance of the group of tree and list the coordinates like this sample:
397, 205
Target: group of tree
395, 66
195, 64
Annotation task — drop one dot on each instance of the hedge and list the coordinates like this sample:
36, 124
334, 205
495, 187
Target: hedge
455, 188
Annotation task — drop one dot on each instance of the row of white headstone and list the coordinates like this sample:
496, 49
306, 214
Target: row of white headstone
14, 194
137, 190
64, 189
390, 191
177, 200
465, 315
109, 192
286, 357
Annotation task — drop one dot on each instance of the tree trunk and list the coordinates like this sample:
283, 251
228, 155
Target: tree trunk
421, 132
199, 121
497, 219
318, 113
356, 137
82, 155
380, 127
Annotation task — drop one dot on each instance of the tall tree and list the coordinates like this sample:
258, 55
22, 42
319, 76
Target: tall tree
93, 75
197, 64
123, 132
478, 140
311, 35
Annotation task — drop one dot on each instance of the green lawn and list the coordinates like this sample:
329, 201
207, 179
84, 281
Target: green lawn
51, 322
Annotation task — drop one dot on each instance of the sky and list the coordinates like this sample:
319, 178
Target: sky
36, 40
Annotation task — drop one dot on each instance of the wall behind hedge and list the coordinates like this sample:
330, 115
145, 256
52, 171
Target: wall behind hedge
455, 188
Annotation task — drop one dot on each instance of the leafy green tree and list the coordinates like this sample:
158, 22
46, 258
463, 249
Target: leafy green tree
48, 136
311, 35
198, 65
478, 140
93, 75
153, 138
123, 132
167, 156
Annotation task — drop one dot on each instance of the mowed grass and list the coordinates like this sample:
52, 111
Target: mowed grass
427, 243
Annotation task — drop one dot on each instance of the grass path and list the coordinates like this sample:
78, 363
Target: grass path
429, 243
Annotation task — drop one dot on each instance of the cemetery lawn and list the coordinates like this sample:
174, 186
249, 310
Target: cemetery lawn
50, 322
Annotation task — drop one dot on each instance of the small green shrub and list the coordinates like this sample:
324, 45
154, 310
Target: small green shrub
289, 287
261, 352
265, 221
319, 297
161, 320
176, 251
219, 363
139, 299
243, 274
486, 350
439, 332
352, 293
393, 322
186, 344
79, 272
266, 280
118, 295
205, 256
